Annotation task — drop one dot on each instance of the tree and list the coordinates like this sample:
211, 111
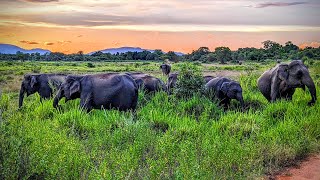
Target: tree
97, 54
172, 56
273, 49
20, 56
223, 54
211, 57
199, 54
151, 56
289, 46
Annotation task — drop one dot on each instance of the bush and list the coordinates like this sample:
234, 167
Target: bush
36, 69
190, 81
90, 65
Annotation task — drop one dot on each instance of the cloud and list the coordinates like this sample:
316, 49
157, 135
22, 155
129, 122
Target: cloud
278, 4
29, 42
63, 42
160, 15
41, 1
311, 44
48, 43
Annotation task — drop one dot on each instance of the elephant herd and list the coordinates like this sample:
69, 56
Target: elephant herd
120, 90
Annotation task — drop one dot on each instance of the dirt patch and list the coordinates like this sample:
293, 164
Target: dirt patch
307, 169
224, 73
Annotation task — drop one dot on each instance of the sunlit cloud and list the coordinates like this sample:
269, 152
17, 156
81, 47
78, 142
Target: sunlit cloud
28, 42
95, 24
40, 1
310, 44
48, 43
279, 4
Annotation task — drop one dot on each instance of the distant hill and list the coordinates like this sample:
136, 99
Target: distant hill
128, 49
12, 49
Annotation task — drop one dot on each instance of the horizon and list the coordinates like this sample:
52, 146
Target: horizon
71, 26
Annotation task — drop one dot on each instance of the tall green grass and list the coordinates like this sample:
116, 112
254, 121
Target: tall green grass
165, 138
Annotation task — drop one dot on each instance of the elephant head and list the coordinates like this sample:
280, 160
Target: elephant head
232, 90
166, 68
29, 85
298, 76
70, 90
172, 81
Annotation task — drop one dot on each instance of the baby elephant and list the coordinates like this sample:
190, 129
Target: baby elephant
44, 84
149, 83
111, 90
224, 90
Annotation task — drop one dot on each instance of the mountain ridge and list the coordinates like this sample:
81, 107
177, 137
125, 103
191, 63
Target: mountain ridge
13, 49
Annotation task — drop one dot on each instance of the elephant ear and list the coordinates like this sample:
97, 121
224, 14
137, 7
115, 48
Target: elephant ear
282, 73
33, 81
75, 87
224, 87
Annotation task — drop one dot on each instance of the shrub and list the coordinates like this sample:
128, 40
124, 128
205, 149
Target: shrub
190, 81
36, 69
90, 65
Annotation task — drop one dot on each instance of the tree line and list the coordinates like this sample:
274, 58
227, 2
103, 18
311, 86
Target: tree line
270, 50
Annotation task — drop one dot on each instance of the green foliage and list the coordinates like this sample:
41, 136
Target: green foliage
223, 54
190, 81
90, 65
36, 69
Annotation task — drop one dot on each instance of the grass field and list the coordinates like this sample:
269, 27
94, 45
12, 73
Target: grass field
166, 139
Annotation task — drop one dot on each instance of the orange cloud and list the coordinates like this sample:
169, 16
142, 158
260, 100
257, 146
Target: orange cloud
49, 43
312, 44
41, 1
29, 42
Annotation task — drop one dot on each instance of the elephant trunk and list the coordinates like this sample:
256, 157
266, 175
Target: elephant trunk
21, 96
57, 98
240, 99
307, 80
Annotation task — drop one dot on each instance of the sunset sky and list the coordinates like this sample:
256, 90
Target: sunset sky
181, 25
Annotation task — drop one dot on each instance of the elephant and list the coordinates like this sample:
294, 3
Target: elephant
166, 68
147, 82
44, 84
172, 81
282, 80
224, 90
207, 78
109, 90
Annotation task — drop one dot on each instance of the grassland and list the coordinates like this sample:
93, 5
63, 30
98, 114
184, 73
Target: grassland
167, 138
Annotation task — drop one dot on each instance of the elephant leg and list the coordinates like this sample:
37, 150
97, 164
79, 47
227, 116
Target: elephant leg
290, 94
225, 103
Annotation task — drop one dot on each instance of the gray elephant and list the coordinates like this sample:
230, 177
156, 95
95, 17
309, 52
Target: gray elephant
44, 84
147, 82
207, 78
282, 80
110, 90
224, 90
166, 68
172, 81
